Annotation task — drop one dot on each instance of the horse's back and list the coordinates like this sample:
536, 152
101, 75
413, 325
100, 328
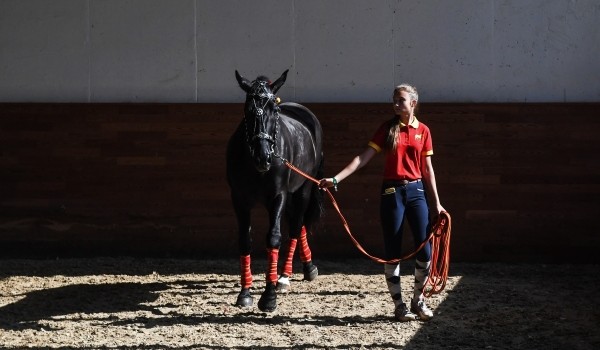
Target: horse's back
305, 116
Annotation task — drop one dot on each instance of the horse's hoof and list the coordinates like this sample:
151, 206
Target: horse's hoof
268, 299
310, 271
283, 284
244, 299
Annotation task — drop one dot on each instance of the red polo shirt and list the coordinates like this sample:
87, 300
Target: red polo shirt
414, 143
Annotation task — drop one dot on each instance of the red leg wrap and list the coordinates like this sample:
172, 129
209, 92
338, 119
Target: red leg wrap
272, 256
245, 271
305, 254
287, 268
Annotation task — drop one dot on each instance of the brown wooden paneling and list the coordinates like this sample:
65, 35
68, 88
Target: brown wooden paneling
520, 180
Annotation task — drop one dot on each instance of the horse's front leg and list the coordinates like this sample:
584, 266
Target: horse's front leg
244, 244
268, 300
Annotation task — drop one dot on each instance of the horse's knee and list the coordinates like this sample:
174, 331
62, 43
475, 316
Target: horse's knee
274, 242
244, 243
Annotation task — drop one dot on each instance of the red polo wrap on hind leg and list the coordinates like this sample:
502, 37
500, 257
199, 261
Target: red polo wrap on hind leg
305, 254
287, 268
272, 256
245, 271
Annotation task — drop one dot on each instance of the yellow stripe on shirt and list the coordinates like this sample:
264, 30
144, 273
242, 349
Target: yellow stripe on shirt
374, 146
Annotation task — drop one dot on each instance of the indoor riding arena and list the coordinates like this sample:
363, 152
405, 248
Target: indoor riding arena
121, 227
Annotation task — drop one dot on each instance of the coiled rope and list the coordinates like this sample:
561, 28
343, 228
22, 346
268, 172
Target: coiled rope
439, 237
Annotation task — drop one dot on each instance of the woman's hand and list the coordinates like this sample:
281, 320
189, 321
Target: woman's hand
356, 163
434, 215
327, 183
440, 209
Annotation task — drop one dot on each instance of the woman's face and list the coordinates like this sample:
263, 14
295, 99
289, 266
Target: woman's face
403, 104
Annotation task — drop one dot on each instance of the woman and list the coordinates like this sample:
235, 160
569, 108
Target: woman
408, 148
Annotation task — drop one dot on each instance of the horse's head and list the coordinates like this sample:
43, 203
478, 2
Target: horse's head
261, 117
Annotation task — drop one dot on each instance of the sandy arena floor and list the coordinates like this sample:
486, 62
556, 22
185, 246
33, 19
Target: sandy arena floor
188, 304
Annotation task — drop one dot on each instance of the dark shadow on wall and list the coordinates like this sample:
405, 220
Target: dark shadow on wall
147, 180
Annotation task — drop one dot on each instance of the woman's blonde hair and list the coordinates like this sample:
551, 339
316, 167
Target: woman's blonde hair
412, 91
391, 143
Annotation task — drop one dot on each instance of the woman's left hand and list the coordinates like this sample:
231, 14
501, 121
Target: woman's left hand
435, 214
440, 209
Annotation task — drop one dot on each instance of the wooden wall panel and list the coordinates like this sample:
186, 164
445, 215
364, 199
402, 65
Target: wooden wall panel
520, 180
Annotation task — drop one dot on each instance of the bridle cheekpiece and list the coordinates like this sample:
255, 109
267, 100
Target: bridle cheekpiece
260, 91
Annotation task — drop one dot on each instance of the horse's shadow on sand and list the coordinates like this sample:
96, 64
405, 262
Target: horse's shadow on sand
101, 302
78, 300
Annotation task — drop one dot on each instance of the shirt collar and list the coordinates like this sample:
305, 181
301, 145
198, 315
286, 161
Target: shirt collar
414, 124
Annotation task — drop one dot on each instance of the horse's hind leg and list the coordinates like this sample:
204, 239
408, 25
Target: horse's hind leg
296, 209
283, 283
310, 270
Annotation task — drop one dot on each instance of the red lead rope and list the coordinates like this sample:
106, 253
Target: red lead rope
439, 237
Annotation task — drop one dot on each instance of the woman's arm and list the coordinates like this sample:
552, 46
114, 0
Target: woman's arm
357, 162
429, 179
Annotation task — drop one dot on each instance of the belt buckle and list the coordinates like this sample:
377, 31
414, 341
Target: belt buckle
404, 182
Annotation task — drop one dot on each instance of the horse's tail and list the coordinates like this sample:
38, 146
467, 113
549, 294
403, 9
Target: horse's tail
315, 208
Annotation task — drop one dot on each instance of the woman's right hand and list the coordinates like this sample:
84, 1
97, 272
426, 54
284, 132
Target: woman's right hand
326, 182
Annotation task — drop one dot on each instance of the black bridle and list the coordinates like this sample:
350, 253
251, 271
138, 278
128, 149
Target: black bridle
260, 92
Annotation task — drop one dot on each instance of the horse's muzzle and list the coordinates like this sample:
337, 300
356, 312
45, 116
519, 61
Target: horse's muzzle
262, 167
262, 158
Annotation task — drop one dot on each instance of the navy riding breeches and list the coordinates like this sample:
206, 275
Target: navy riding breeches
397, 202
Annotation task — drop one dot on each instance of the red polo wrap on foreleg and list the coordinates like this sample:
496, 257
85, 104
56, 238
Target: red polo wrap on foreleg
245, 271
272, 256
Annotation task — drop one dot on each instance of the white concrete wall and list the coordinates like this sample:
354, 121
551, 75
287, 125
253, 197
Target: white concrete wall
336, 50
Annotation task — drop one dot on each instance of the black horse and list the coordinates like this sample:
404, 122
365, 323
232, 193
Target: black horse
269, 133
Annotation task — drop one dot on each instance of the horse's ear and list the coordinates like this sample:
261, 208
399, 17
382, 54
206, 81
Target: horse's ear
279, 82
244, 83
